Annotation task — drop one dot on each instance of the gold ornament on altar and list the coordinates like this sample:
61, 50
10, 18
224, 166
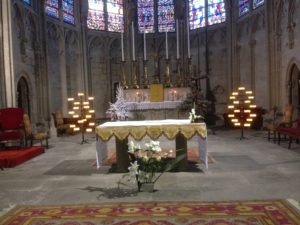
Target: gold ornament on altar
83, 113
241, 109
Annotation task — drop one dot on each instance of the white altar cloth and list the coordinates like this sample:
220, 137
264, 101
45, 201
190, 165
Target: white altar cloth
169, 128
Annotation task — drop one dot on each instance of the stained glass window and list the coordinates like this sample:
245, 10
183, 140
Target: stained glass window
146, 16
244, 7
28, 2
216, 11
95, 19
257, 3
68, 11
166, 19
51, 8
196, 13
115, 15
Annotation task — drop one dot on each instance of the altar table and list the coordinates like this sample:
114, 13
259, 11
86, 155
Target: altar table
180, 130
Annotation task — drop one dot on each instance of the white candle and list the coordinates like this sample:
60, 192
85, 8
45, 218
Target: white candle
145, 51
177, 39
188, 39
122, 46
133, 48
167, 53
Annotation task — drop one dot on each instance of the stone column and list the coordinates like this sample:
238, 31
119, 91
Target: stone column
8, 63
252, 44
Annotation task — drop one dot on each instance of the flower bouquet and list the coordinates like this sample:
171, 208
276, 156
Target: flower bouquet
147, 165
193, 117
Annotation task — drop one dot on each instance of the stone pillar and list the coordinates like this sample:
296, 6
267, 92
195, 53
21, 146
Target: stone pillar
8, 63
252, 44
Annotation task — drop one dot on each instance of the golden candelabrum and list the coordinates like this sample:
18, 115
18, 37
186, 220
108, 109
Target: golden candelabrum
241, 109
178, 75
145, 79
168, 82
82, 112
123, 78
134, 80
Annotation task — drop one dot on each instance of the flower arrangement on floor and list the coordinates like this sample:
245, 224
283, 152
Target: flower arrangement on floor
147, 165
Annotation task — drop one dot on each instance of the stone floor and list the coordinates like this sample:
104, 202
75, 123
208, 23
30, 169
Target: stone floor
252, 168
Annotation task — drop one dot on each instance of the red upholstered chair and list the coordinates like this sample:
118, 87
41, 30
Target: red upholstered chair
11, 125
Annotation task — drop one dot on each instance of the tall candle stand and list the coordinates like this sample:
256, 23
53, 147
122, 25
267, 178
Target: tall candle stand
145, 79
134, 81
190, 69
167, 74
155, 76
178, 75
123, 79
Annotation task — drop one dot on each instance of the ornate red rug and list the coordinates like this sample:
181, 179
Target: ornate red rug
271, 212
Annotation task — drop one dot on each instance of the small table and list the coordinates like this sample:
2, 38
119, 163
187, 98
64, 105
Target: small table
180, 130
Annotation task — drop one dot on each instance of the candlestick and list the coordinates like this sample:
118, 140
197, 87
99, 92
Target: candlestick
122, 46
133, 48
177, 39
167, 53
188, 39
145, 51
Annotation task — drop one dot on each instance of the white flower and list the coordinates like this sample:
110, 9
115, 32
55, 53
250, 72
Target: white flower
145, 158
131, 147
133, 169
158, 158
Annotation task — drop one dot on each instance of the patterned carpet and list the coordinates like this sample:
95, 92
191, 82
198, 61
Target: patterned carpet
271, 212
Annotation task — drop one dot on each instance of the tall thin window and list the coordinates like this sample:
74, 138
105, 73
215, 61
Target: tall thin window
115, 15
28, 2
95, 19
244, 7
68, 11
196, 13
216, 12
166, 19
146, 16
257, 3
51, 7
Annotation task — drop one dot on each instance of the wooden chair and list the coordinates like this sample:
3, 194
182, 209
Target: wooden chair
29, 135
61, 126
286, 122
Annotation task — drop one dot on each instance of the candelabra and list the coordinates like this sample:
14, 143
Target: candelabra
124, 81
178, 76
145, 80
167, 75
241, 108
134, 74
82, 112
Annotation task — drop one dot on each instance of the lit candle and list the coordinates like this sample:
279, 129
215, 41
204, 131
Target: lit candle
177, 39
167, 53
145, 51
122, 46
188, 39
133, 48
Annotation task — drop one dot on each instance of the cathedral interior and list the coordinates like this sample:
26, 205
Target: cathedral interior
51, 50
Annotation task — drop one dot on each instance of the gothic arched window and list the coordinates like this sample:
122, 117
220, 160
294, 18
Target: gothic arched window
68, 11
115, 15
244, 7
51, 7
106, 13
145, 11
214, 11
257, 3
166, 16
28, 2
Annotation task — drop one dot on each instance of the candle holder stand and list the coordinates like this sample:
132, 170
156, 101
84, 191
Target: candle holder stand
167, 74
145, 78
178, 75
156, 75
123, 79
134, 81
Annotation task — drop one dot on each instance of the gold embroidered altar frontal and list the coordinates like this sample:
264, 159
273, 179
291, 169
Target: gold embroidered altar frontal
153, 129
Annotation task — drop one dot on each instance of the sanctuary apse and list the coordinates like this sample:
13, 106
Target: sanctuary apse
52, 49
